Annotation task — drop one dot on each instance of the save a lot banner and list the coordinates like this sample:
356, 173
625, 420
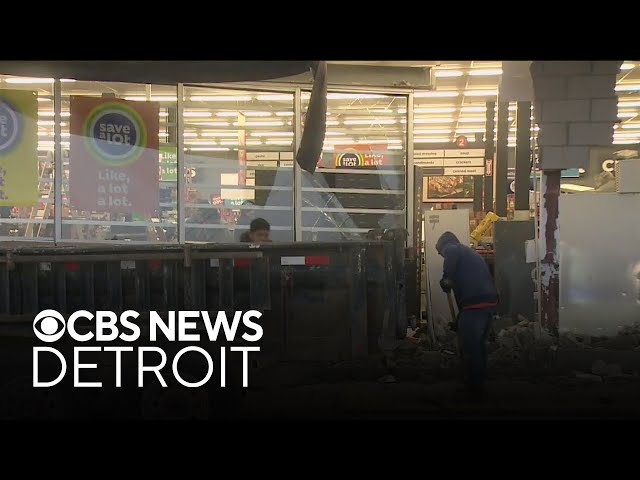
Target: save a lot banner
18, 148
360, 156
113, 164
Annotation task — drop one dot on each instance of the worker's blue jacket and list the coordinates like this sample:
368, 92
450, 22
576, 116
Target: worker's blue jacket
473, 284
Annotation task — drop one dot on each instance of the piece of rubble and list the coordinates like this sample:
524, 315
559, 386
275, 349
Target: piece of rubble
589, 377
387, 379
506, 342
501, 324
599, 367
525, 338
620, 342
522, 321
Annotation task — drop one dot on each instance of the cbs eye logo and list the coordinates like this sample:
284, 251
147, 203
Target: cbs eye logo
49, 326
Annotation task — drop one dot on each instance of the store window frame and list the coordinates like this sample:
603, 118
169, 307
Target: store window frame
294, 89
258, 88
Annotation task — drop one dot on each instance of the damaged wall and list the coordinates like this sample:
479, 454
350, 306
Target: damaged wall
575, 106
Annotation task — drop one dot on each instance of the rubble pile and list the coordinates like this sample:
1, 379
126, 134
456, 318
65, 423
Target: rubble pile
512, 345
524, 342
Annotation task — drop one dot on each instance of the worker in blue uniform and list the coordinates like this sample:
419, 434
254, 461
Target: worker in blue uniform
466, 274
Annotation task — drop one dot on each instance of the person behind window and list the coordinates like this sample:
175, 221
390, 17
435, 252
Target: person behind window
259, 231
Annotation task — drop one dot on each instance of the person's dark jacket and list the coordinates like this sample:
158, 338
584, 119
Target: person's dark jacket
464, 267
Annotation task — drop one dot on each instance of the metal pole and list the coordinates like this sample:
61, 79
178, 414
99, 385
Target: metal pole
412, 204
181, 163
297, 171
58, 172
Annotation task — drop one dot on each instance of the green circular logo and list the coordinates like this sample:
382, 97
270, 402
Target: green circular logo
115, 134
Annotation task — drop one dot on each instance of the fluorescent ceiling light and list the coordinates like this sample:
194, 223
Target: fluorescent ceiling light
200, 142
627, 114
625, 142
43, 99
260, 124
218, 134
473, 109
209, 124
353, 96
434, 131
275, 97
209, 149
432, 140
334, 134
434, 110
480, 93
448, 73
33, 80
278, 142
628, 104
431, 120
486, 72
49, 123
246, 114
284, 114
373, 121
395, 147
220, 98
630, 126
331, 122
272, 134
628, 87
49, 113
197, 114
189, 135
626, 135
627, 66
153, 98
437, 94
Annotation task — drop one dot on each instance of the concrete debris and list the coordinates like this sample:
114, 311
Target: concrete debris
620, 342
588, 377
502, 323
387, 379
522, 322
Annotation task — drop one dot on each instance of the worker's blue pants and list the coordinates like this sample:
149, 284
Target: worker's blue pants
475, 326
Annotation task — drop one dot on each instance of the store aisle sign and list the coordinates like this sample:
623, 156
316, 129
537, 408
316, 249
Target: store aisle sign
168, 164
113, 165
441, 162
18, 148
360, 156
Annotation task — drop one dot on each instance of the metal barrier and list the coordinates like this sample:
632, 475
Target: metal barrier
321, 301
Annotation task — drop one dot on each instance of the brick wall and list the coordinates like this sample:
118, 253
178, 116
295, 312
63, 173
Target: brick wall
575, 107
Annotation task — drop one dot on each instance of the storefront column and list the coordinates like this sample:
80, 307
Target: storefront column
549, 236
575, 107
